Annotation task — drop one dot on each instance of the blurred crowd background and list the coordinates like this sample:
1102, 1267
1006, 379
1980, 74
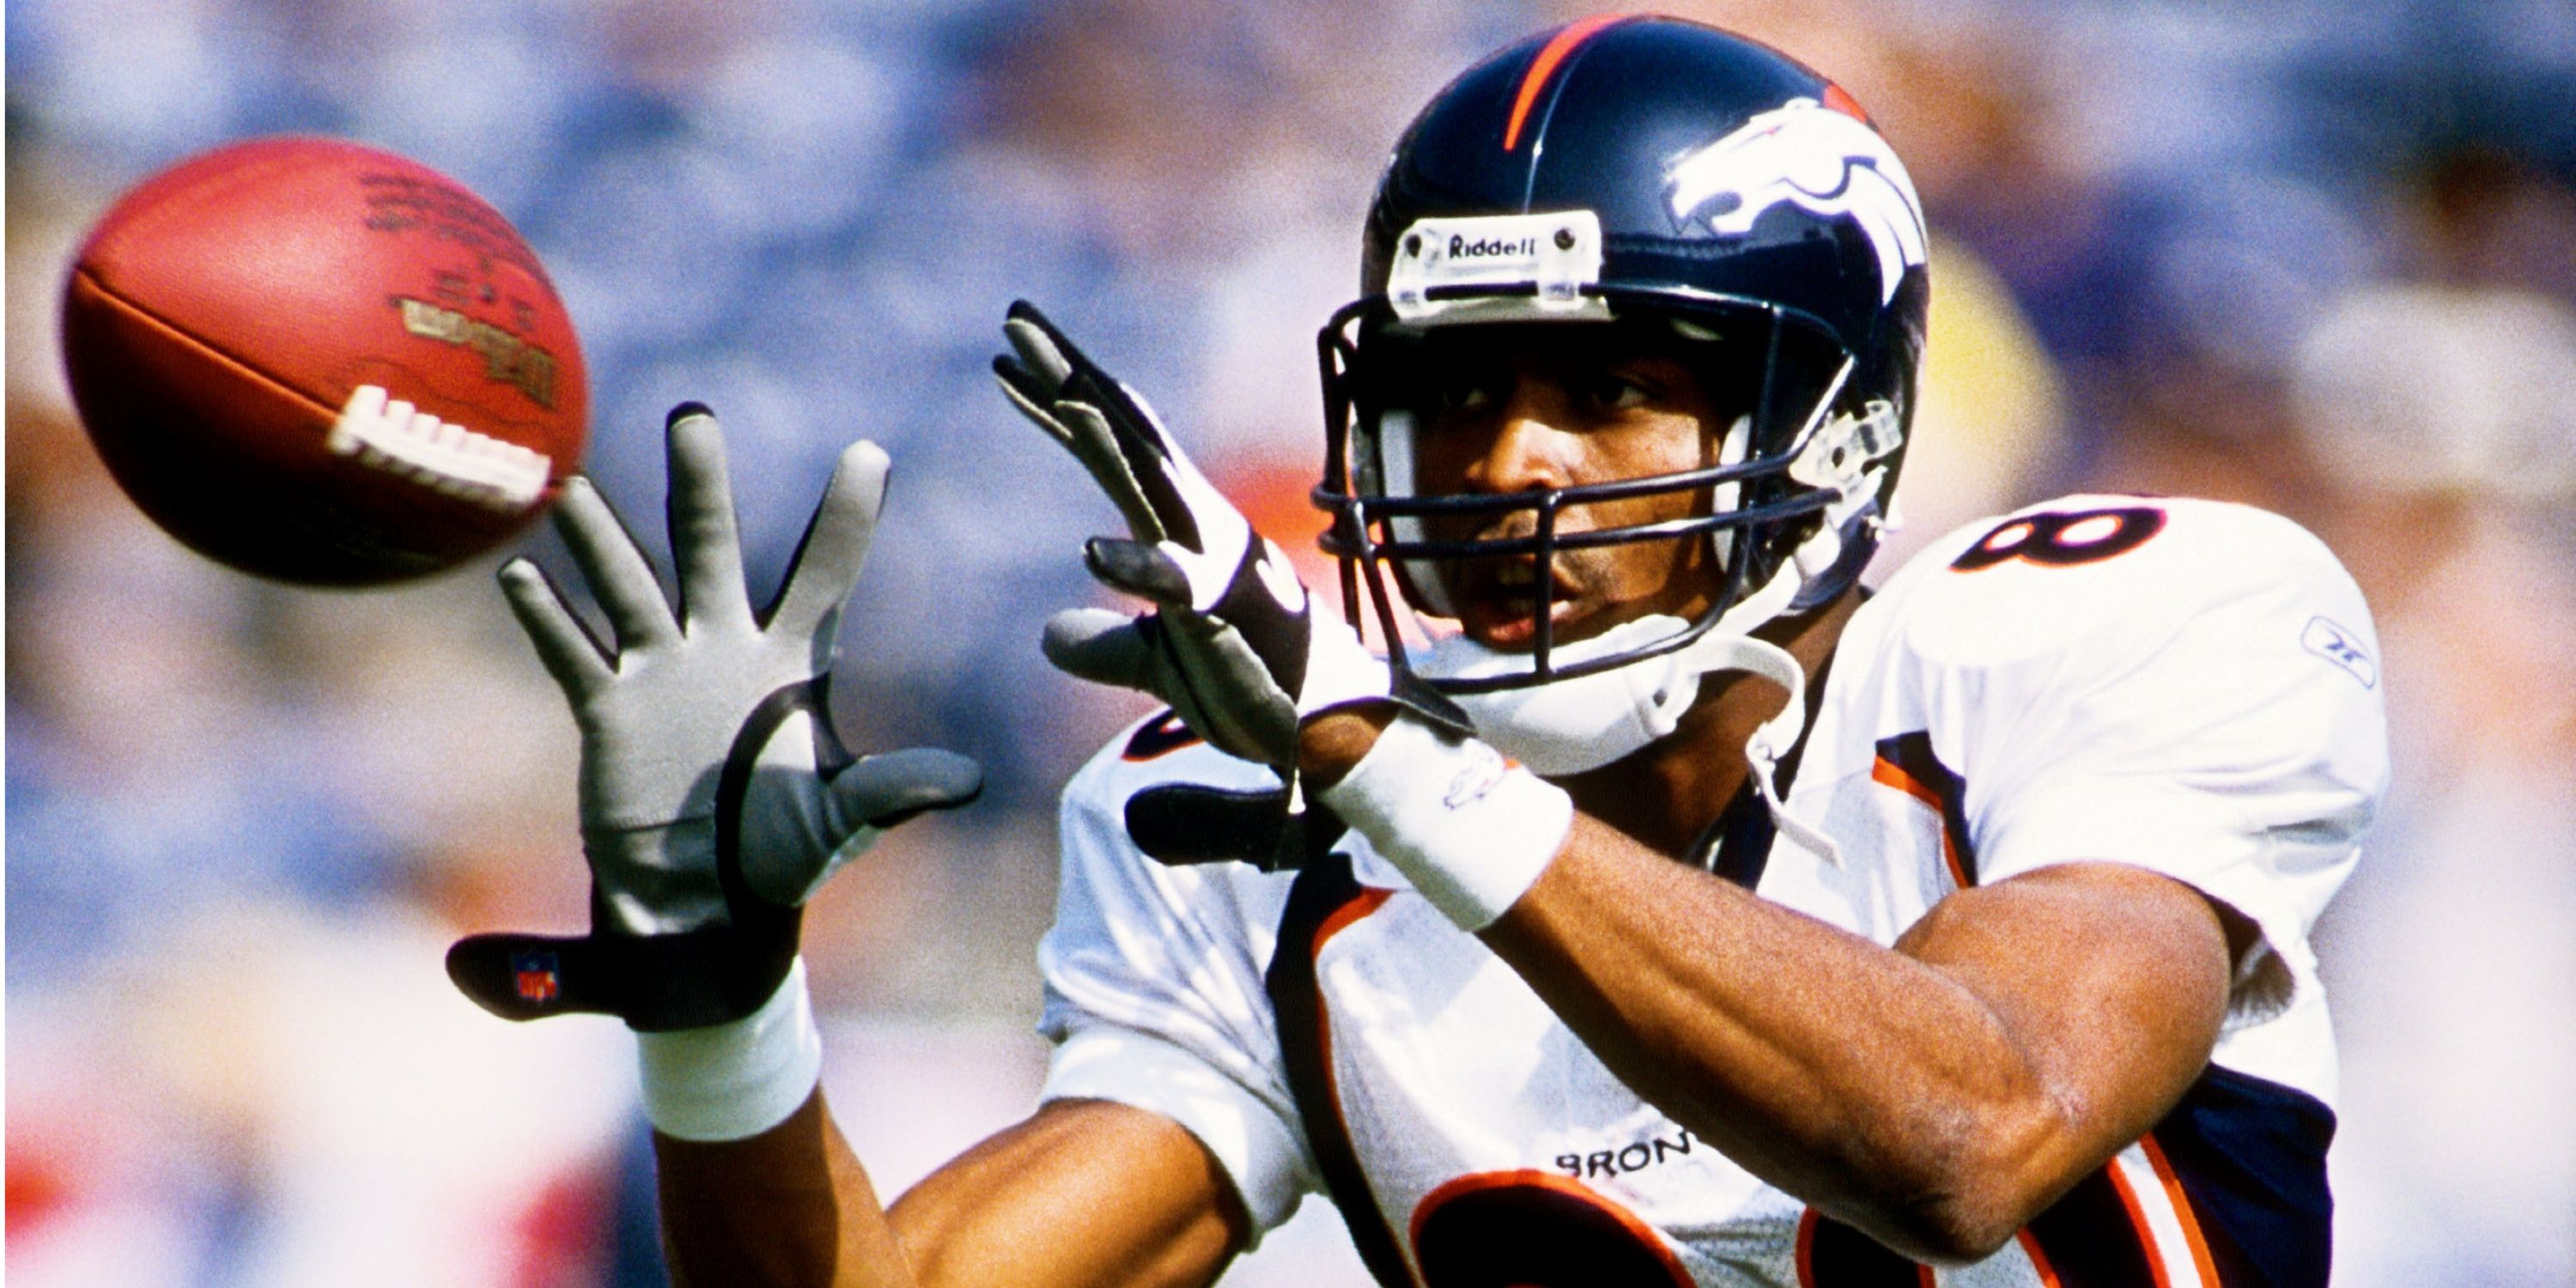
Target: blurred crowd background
2315, 254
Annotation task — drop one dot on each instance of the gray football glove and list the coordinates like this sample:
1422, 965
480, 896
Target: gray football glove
1236, 645
715, 797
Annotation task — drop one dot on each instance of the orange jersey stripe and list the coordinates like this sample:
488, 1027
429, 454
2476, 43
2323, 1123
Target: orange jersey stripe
2038, 1259
2200, 1258
1807, 1249
1888, 773
2138, 1218
1370, 899
1546, 64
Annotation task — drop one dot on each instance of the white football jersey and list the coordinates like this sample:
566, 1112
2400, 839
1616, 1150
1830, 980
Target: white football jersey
2187, 686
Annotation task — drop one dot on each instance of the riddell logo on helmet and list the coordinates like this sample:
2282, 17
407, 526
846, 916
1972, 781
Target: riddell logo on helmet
1492, 248
1556, 251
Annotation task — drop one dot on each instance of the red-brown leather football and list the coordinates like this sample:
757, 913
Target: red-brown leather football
323, 363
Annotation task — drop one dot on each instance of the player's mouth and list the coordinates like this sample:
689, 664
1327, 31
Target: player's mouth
1502, 606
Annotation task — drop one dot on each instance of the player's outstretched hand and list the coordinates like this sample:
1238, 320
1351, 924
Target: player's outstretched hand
715, 797
1236, 645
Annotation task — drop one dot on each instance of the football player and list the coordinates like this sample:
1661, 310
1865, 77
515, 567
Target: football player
1663, 909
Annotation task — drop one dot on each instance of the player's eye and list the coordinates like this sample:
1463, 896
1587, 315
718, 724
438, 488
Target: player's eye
1455, 392
1615, 391
1467, 395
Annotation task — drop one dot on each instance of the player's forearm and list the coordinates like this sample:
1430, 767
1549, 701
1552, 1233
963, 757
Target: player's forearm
790, 1206
757, 1185
1842, 1072
1082, 1192
1938, 1094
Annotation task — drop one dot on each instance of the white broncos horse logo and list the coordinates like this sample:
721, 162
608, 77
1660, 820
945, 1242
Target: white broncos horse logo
1819, 159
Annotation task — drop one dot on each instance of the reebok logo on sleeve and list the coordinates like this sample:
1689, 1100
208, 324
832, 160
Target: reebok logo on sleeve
2341, 647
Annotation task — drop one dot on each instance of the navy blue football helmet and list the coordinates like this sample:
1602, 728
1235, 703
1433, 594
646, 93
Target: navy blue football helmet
1640, 171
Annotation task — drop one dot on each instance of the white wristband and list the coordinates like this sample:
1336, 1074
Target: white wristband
1469, 828
735, 1080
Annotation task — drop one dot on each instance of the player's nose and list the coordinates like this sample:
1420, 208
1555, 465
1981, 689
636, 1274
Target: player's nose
1532, 449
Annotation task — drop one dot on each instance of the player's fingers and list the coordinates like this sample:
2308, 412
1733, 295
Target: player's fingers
1086, 433
1072, 375
1078, 427
1031, 399
705, 544
1043, 348
1100, 646
613, 564
835, 546
1145, 506
857, 804
563, 644
1139, 569
886, 789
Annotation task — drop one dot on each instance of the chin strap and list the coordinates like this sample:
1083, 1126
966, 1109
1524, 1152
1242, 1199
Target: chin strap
1774, 737
1719, 650
1843, 458
1729, 646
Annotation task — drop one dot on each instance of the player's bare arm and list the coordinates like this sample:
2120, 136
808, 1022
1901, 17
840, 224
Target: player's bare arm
789, 1205
1938, 1093
1083, 1192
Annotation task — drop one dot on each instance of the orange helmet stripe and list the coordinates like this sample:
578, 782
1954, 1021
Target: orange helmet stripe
1545, 64
1840, 99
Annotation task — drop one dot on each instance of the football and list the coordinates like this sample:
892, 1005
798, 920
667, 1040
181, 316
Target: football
322, 363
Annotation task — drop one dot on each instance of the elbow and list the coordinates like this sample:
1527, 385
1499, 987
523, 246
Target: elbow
1952, 1230
1965, 1199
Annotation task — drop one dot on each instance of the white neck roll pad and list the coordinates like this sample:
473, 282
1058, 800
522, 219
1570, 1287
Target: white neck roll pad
1569, 726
